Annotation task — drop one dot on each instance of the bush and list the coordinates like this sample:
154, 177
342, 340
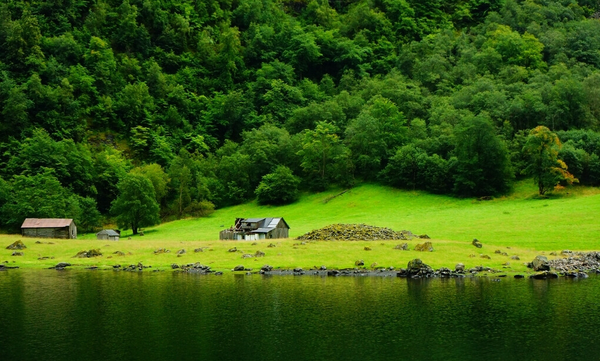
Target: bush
279, 187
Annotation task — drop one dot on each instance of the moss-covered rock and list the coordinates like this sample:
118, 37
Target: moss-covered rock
17, 245
424, 247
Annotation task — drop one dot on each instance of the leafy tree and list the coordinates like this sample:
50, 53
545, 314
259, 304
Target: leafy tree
324, 158
38, 196
136, 204
483, 166
279, 187
547, 170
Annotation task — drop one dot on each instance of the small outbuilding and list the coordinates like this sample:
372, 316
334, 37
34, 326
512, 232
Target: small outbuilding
253, 229
49, 228
108, 234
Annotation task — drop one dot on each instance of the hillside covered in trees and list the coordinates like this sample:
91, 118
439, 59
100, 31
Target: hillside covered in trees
141, 110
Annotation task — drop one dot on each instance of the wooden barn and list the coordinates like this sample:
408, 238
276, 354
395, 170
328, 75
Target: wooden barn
49, 228
108, 234
254, 229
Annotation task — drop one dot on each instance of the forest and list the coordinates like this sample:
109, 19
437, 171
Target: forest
141, 111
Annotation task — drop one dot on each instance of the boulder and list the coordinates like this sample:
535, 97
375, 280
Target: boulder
246, 255
161, 250
323, 268
15, 253
239, 268
181, 251
272, 245
234, 249
544, 275
402, 247
540, 263
259, 254
516, 258
459, 267
266, 268
359, 263
367, 248
17, 245
416, 266
88, 254
62, 265
485, 256
424, 247
476, 243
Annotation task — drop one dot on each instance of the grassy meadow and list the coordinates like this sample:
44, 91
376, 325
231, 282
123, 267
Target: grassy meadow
519, 224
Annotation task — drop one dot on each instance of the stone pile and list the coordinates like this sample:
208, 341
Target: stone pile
576, 262
356, 232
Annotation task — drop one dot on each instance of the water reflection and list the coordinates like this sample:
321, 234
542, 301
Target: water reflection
165, 316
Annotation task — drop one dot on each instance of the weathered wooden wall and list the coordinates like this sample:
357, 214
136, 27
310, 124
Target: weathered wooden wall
46, 232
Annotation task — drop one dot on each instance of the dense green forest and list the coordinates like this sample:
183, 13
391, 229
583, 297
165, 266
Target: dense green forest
141, 110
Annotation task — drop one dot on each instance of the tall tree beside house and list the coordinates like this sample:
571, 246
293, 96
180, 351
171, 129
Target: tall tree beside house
547, 170
136, 205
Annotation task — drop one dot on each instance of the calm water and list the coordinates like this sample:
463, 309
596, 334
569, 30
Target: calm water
86, 315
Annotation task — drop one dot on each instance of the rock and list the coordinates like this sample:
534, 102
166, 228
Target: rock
519, 276
119, 253
459, 267
424, 236
359, 263
161, 250
15, 253
259, 254
298, 270
246, 255
417, 267
367, 248
516, 258
374, 264
218, 273
476, 243
272, 245
498, 251
17, 245
424, 247
402, 247
174, 266
544, 275
266, 268
485, 256
239, 268
181, 251
254, 244
234, 249
201, 249
88, 254
540, 263
323, 268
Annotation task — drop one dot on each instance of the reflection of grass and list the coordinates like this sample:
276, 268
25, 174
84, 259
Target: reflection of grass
521, 221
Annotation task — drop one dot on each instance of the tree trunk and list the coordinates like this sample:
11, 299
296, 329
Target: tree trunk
134, 228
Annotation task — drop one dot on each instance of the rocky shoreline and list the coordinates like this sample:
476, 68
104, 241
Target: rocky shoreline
572, 265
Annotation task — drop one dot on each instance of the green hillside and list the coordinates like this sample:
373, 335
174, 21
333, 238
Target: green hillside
569, 220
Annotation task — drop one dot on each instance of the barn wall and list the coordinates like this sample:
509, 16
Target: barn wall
46, 232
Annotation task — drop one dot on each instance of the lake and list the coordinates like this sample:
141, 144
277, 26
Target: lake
106, 315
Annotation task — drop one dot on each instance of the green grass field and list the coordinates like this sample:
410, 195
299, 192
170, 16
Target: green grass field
520, 224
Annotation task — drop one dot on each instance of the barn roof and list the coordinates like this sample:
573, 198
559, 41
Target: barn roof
46, 223
109, 232
252, 220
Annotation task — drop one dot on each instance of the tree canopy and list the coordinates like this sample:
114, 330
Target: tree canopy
205, 98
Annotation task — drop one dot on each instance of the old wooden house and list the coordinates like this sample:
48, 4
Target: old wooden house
49, 228
256, 229
108, 234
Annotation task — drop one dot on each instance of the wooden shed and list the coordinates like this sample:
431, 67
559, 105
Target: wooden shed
49, 228
108, 234
256, 228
